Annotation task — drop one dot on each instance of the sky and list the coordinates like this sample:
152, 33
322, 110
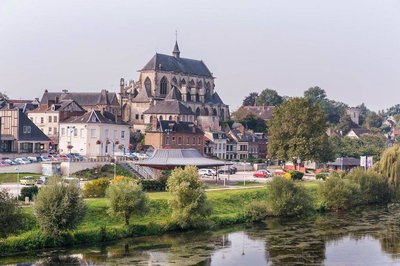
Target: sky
349, 48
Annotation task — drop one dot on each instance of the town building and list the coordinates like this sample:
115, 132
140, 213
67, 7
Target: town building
354, 114
170, 134
356, 133
262, 111
248, 143
164, 73
96, 133
48, 118
19, 134
216, 143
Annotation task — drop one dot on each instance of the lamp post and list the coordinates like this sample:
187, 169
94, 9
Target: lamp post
18, 185
71, 130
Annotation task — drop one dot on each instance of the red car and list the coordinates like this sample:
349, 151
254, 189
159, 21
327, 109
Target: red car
262, 173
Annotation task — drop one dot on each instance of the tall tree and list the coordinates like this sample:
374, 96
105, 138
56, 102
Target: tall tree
345, 124
269, 97
254, 122
250, 100
394, 110
373, 120
297, 130
315, 94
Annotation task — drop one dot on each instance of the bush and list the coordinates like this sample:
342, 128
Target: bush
96, 188
109, 168
154, 184
321, 176
29, 192
286, 198
339, 194
58, 207
296, 175
189, 203
10, 216
127, 198
373, 186
256, 211
287, 176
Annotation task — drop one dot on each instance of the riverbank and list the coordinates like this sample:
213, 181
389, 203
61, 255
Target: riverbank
98, 226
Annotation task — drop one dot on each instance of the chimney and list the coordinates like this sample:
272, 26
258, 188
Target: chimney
64, 91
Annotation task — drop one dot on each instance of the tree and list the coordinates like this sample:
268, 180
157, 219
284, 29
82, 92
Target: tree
127, 198
254, 122
189, 203
297, 130
269, 97
10, 214
58, 206
315, 94
364, 111
389, 166
345, 124
240, 114
373, 120
250, 100
394, 110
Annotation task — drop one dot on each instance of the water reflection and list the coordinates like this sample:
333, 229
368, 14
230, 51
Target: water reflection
366, 237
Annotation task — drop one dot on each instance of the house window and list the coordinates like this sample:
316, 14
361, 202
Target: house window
180, 140
50, 130
199, 141
163, 86
137, 116
82, 130
55, 130
194, 140
42, 120
63, 131
122, 134
75, 132
26, 129
167, 140
187, 141
55, 119
93, 133
106, 133
141, 117
50, 119
173, 139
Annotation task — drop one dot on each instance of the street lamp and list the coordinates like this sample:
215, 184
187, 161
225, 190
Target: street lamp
18, 187
71, 130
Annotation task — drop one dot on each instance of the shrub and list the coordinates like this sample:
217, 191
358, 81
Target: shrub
109, 168
321, 176
127, 198
373, 186
58, 207
296, 175
286, 198
154, 184
339, 194
287, 176
189, 203
120, 178
10, 215
96, 188
29, 192
256, 211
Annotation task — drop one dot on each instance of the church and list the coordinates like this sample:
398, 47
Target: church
173, 88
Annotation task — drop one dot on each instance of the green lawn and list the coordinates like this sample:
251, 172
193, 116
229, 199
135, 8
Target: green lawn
13, 177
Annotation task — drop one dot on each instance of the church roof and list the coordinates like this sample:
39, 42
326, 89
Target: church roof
174, 94
215, 99
177, 64
169, 107
82, 98
142, 96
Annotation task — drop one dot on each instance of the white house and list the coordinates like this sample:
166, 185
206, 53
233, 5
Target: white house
95, 133
218, 143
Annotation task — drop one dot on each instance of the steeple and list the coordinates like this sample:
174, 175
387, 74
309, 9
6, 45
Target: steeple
176, 51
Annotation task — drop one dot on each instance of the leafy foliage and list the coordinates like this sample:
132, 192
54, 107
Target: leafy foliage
389, 166
254, 123
373, 120
58, 206
29, 192
126, 199
296, 175
298, 130
256, 211
315, 94
10, 215
250, 100
345, 124
154, 184
269, 97
339, 194
189, 203
286, 198
96, 188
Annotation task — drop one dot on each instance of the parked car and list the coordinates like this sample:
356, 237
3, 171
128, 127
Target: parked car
33, 159
10, 162
23, 161
207, 172
77, 156
262, 173
3, 163
27, 181
45, 158
42, 180
227, 170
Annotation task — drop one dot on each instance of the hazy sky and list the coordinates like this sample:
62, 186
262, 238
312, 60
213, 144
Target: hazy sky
350, 48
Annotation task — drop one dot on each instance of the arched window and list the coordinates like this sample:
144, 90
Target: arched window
170, 118
198, 111
199, 84
183, 82
215, 112
147, 84
161, 118
151, 119
197, 97
222, 114
163, 86
188, 97
206, 112
174, 81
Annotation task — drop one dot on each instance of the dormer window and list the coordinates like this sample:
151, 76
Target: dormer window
94, 119
26, 129
53, 107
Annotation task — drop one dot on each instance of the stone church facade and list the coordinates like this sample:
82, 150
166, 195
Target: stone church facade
163, 73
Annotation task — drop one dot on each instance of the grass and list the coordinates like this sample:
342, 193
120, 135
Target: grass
13, 177
98, 225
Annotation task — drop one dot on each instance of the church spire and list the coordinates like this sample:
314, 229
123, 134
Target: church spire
176, 51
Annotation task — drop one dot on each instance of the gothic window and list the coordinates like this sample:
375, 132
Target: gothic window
175, 81
188, 97
206, 112
163, 86
197, 97
191, 83
170, 118
183, 82
161, 118
198, 111
215, 112
199, 84
222, 114
147, 84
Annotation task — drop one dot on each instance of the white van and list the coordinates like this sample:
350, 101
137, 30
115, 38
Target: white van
207, 172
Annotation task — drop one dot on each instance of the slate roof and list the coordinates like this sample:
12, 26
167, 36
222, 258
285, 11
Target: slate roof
265, 112
100, 117
169, 107
82, 98
174, 94
171, 158
62, 106
178, 127
35, 135
360, 131
347, 161
142, 96
177, 64
215, 99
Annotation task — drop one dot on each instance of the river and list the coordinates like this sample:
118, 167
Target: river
361, 237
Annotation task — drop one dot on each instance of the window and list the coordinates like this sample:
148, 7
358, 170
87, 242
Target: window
55, 119
26, 129
137, 116
122, 134
163, 86
187, 141
82, 130
141, 117
199, 140
63, 131
180, 140
55, 130
173, 139
50, 119
167, 140
106, 133
194, 140
42, 120
50, 130
147, 84
75, 132
93, 133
